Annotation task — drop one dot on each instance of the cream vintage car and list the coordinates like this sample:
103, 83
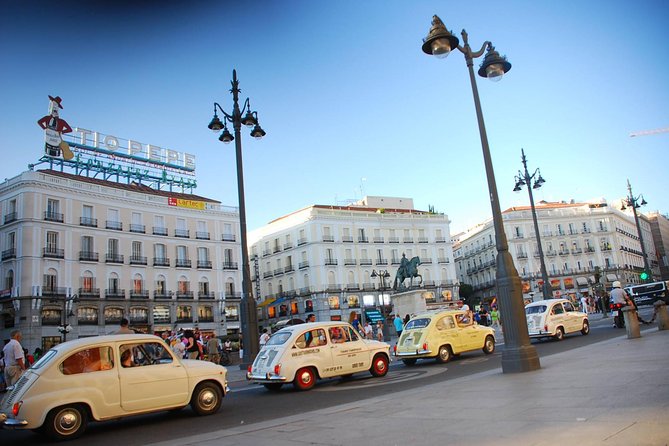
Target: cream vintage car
303, 353
440, 334
108, 377
554, 318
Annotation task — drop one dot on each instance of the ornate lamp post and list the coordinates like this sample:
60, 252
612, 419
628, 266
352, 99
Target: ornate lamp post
519, 355
249, 315
633, 202
383, 274
524, 178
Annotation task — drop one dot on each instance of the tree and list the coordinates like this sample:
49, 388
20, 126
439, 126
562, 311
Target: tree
466, 291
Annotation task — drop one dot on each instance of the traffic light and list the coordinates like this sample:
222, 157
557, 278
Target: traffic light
644, 275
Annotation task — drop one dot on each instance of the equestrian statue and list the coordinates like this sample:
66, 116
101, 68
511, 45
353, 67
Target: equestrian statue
408, 269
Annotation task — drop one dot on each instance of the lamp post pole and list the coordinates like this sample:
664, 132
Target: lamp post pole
633, 202
524, 178
519, 355
248, 308
382, 275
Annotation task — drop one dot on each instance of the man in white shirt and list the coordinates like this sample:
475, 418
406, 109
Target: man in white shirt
14, 358
264, 337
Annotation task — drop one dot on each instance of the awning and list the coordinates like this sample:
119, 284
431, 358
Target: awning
582, 281
266, 302
611, 277
278, 301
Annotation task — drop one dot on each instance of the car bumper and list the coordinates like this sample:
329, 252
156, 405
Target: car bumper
11, 423
266, 378
540, 334
413, 354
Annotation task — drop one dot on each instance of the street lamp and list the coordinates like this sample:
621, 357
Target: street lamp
249, 316
633, 202
383, 274
525, 179
67, 312
519, 355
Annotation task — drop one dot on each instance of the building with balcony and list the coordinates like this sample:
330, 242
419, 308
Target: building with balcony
321, 258
86, 252
660, 228
575, 238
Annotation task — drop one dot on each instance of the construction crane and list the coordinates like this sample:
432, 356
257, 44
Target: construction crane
649, 132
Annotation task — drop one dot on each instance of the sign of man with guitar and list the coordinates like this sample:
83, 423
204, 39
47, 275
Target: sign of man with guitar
54, 127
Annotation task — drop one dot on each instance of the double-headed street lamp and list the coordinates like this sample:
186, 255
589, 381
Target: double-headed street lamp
519, 355
383, 274
525, 179
249, 316
634, 203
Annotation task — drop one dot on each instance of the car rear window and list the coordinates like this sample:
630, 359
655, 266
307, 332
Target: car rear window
279, 338
418, 323
535, 309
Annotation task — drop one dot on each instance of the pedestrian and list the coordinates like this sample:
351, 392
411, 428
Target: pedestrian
494, 316
178, 347
354, 321
399, 325
407, 318
124, 328
14, 358
213, 349
584, 304
3, 385
379, 331
264, 337
369, 331
37, 354
192, 349
311, 317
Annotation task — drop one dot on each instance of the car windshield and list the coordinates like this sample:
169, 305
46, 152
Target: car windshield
535, 309
280, 337
418, 323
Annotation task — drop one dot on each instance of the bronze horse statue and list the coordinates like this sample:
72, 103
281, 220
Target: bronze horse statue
407, 271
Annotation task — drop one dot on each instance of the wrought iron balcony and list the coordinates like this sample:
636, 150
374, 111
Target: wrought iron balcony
228, 237
303, 265
139, 294
114, 258
88, 221
140, 229
53, 216
184, 294
230, 265
53, 253
162, 295
115, 225
183, 263
9, 254
205, 296
89, 256
159, 230
161, 261
115, 293
201, 235
204, 264
138, 260
10, 217
183, 233
89, 292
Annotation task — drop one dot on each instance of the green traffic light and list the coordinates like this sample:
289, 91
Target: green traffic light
643, 275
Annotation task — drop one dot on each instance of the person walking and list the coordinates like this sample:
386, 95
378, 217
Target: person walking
15, 363
213, 349
124, 328
379, 331
399, 326
264, 337
584, 304
369, 331
192, 349
494, 316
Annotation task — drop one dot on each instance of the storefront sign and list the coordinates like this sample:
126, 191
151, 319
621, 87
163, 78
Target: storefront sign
182, 203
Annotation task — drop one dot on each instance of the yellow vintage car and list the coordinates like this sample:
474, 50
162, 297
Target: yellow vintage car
441, 334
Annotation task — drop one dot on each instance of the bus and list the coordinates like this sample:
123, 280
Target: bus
648, 293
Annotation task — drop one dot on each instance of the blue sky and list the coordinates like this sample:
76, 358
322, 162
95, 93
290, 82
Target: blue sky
350, 103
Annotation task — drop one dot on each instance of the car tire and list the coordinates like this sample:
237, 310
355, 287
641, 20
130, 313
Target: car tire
489, 345
206, 399
305, 378
409, 362
586, 328
379, 366
66, 422
274, 387
445, 354
559, 334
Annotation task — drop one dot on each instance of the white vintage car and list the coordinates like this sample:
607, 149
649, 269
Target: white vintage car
108, 377
555, 318
303, 353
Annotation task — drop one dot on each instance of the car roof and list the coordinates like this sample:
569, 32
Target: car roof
312, 325
438, 312
546, 302
91, 340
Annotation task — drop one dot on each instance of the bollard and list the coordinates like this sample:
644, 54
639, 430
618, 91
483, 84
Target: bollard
662, 315
631, 323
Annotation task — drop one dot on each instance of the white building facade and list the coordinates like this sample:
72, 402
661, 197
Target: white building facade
83, 252
575, 238
329, 260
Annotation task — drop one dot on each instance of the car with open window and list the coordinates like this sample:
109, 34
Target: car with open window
301, 354
555, 318
442, 334
108, 377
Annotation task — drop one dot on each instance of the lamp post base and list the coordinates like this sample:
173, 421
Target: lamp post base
520, 359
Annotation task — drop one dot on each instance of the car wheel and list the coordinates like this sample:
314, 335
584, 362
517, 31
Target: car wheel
489, 345
445, 354
559, 334
409, 362
305, 379
274, 387
379, 366
206, 399
586, 328
66, 422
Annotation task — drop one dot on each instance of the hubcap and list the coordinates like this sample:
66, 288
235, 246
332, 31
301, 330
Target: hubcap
67, 422
207, 399
305, 377
380, 365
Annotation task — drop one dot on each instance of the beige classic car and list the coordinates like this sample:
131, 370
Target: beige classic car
303, 353
440, 334
555, 318
108, 377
